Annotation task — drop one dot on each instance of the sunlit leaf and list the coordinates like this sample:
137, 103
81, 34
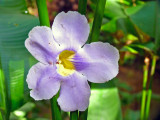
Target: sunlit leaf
109, 26
148, 46
129, 49
138, 47
104, 102
113, 9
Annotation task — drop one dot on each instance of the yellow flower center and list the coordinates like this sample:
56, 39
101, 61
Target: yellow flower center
64, 64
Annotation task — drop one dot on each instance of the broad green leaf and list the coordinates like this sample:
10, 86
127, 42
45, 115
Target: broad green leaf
13, 4
14, 28
104, 105
126, 26
144, 17
104, 102
133, 10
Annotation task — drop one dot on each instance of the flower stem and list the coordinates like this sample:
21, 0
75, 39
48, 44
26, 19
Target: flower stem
83, 115
144, 92
44, 21
74, 115
97, 21
82, 6
149, 93
43, 13
56, 112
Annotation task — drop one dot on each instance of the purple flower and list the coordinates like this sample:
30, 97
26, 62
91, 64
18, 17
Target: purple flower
66, 62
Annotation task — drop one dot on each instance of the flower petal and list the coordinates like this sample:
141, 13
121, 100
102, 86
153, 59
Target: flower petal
75, 93
43, 80
101, 62
70, 29
41, 44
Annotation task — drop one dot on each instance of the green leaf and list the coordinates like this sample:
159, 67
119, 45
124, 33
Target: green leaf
113, 9
132, 10
104, 103
16, 73
148, 46
15, 26
136, 48
126, 26
129, 49
13, 52
144, 17
13, 4
109, 26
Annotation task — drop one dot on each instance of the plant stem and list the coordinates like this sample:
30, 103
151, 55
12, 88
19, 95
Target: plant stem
149, 93
145, 77
83, 115
44, 21
74, 115
43, 13
56, 112
97, 21
82, 6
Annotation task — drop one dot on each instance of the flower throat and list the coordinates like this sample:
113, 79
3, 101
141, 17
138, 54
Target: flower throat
64, 64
